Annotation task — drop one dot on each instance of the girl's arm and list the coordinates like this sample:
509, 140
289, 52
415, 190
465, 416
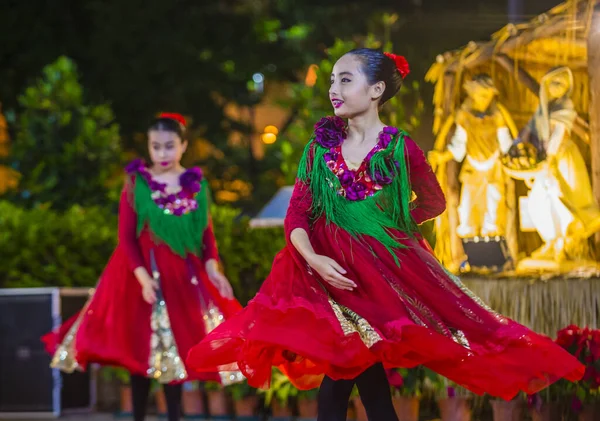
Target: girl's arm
297, 228
127, 235
430, 200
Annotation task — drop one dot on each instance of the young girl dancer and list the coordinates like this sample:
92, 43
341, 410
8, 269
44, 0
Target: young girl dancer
162, 290
357, 289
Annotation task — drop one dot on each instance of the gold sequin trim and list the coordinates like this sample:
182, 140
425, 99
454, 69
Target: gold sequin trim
213, 318
351, 323
165, 364
65, 357
460, 338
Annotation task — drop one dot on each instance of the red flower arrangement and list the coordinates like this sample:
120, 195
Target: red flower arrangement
583, 343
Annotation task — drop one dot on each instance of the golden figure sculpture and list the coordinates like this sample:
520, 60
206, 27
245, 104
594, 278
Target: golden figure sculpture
561, 204
484, 131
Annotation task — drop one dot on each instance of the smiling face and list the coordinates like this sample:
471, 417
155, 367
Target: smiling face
350, 93
166, 149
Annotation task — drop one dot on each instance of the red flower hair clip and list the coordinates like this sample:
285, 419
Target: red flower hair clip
174, 116
401, 64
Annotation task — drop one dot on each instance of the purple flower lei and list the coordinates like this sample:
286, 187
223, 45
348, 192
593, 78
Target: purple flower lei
181, 202
189, 180
330, 133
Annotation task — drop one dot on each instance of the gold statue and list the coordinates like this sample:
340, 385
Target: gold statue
561, 204
483, 133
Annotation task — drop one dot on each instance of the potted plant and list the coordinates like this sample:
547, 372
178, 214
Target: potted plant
160, 400
507, 410
359, 409
122, 376
406, 385
278, 396
192, 401
217, 401
308, 407
245, 400
584, 343
453, 401
550, 403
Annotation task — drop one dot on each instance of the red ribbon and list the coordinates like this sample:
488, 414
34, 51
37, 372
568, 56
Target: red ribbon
174, 116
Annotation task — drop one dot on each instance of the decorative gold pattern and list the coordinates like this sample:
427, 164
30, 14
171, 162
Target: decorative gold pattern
165, 364
460, 338
353, 323
213, 318
455, 281
65, 357
426, 317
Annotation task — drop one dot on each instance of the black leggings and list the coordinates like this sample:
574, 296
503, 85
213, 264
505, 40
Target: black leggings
374, 391
140, 388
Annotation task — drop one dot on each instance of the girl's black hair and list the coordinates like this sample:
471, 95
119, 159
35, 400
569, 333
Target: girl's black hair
379, 68
168, 125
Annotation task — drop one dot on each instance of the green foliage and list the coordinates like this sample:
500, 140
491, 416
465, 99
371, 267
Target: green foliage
212, 386
312, 102
45, 247
413, 382
66, 151
115, 373
247, 254
239, 391
311, 394
281, 389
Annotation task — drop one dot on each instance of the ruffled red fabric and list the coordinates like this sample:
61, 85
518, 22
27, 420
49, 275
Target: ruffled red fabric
421, 313
115, 329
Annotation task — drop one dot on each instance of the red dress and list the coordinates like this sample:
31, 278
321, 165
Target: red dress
414, 313
117, 327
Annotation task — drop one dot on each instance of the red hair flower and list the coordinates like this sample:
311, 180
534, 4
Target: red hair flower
401, 64
174, 116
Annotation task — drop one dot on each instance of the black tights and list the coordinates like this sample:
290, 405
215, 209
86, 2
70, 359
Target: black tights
140, 388
374, 392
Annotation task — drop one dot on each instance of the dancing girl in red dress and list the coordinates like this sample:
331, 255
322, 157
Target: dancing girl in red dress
357, 289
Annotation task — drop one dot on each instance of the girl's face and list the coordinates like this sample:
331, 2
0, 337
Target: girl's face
350, 92
166, 149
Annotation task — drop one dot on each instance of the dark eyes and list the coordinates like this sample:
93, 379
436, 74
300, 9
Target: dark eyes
344, 80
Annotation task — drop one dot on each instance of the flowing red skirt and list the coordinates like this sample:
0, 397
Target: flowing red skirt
115, 329
412, 314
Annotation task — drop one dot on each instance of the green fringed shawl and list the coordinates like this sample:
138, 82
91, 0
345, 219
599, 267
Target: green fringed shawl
374, 216
183, 234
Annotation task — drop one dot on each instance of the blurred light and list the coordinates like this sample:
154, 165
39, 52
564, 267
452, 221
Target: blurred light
258, 78
311, 75
268, 138
271, 129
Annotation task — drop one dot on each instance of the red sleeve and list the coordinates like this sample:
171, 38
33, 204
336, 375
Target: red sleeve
430, 201
209, 243
127, 231
298, 213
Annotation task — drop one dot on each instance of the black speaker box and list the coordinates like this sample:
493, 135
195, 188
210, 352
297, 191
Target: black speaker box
28, 386
488, 253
